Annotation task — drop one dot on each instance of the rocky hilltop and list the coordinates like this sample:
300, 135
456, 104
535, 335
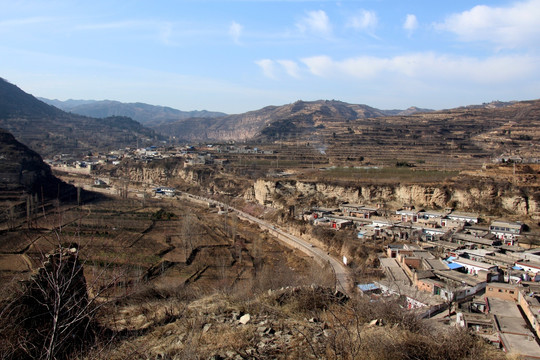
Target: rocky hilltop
300, 117
352, 131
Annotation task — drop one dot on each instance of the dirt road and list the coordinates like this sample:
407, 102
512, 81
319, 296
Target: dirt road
342, 273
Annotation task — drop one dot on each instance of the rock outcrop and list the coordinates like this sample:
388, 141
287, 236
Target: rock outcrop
479, 197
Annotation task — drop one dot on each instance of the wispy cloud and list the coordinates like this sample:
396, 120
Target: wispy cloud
124, 24
428, 66
507, 27
268, 67
364, 20
166, 34
235, 31
163, 30
291, 67
274, 69
316, 22
410, 24
25, 21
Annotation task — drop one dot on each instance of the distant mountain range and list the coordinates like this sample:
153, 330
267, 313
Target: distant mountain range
148, 115
50, 131
482, 129
207, 125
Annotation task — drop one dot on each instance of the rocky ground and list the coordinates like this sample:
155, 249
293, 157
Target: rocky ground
309, 322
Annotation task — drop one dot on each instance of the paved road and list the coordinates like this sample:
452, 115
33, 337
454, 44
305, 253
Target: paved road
343, 274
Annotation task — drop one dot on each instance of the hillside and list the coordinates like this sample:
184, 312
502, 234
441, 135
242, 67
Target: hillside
148, 115
300, 117
347, 132
51, 131
26, 183
459, 135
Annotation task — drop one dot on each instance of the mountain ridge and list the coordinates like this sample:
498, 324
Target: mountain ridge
248, 125
146, 114
50, 131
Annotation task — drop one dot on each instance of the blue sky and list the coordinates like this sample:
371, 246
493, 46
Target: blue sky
236, 56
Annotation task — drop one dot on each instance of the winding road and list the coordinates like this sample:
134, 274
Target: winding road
342, 274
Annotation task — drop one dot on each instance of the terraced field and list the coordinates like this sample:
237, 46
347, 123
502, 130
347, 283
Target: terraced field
166, 244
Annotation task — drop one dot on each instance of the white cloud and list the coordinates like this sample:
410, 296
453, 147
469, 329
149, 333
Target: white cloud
508, 27
410, 24
235, 31
25, 21
427, 67
166, 33
291, 67
126, 24
320, 65
272, 69
365, 20
268, 67
315, 22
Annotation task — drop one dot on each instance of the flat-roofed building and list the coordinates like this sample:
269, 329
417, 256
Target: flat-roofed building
473, 267
360, 211
502, 291
506, 230
470, 218
529, 266
408, 215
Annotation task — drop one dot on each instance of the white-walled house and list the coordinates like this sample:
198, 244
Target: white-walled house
463, 217
473, 267
506, 230
529, 266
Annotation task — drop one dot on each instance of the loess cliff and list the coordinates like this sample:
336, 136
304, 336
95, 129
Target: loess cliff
484, 196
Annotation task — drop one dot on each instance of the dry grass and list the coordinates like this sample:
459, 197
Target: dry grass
296, 323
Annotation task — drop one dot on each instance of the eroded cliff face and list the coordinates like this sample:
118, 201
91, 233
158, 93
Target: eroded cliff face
476, 195
484, 198
175, 174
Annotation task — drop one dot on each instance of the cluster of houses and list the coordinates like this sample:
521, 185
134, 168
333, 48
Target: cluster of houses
207, 154
493, 293
428, 225
441, 259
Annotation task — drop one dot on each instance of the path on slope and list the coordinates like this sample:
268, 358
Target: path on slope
343, 275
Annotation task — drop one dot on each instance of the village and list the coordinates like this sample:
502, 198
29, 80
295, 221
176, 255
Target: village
448, 259
192, 155
480, 274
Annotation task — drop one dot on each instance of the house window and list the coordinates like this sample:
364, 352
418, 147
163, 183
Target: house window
511, 292
500, 290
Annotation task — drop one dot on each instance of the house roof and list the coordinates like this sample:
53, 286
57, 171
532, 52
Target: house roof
406, 212
433, 213
477, 264
459, 214
368, 287
528, 264
454, 266
508, 224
